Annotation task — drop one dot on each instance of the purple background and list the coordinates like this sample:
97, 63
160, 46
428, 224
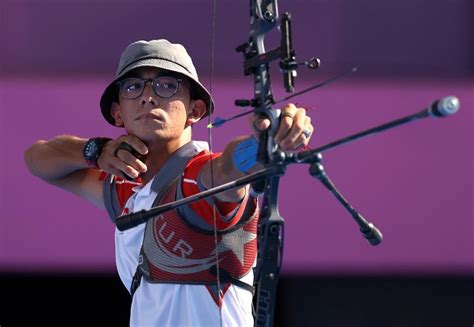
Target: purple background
415, 182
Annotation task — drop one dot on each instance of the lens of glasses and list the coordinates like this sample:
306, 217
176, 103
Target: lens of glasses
131, 88
163, 86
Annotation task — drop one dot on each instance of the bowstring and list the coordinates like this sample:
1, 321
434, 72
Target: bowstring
209, 136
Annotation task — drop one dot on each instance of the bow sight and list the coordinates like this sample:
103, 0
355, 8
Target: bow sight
284, 52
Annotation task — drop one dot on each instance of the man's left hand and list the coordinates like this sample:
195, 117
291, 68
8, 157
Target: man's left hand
295, 129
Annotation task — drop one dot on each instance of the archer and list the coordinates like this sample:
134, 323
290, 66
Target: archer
193, 265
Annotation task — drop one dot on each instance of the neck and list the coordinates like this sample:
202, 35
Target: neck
158, 153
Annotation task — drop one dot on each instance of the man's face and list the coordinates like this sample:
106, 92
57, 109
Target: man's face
151, 117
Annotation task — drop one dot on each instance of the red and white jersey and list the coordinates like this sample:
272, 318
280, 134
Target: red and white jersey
166, 304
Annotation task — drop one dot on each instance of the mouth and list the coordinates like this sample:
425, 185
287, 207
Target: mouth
150, 116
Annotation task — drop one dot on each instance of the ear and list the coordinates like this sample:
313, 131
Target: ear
116, 113
197, 109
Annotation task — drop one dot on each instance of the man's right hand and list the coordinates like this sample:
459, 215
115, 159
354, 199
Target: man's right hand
124, 161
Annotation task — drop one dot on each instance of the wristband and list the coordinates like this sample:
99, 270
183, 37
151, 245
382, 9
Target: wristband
245, 154
92, 150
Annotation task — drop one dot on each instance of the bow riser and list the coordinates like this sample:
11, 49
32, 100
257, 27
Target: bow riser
270, 255
264, 18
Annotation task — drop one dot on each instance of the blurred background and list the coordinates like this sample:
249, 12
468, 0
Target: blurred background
414, 182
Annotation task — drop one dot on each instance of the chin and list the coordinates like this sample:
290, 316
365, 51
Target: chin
155, 136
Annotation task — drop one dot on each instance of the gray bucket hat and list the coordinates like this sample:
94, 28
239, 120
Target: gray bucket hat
155, 53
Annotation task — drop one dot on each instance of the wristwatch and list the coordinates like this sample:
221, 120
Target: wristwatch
92, 150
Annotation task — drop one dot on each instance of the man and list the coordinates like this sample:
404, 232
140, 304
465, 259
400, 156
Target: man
170, 264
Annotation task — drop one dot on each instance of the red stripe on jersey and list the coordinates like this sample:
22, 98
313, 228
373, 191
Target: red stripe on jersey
123, 187
124, 192
102, 176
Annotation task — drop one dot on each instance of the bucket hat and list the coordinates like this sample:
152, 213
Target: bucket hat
155, 53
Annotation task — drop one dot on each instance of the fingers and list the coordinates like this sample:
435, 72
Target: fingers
121, 169
123, 157
258, 125
290, 121
298, 137
133, 144
294, 131
130, 164
295, 128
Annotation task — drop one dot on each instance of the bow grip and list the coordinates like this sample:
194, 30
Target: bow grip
267, 146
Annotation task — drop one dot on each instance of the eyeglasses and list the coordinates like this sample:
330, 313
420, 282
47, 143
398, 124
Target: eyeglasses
163, 86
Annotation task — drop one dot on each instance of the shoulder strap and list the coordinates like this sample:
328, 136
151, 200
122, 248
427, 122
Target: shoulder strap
174, 167
167, 173
111, 198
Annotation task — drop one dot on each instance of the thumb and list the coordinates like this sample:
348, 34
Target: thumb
259, 124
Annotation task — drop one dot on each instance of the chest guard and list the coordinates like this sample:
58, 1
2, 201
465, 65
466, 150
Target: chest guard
176, 250
177, 246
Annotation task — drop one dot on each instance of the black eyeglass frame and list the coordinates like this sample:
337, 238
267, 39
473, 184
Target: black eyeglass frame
152, 82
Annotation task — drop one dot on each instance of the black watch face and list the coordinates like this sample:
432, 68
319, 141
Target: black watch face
93, 149
90, 150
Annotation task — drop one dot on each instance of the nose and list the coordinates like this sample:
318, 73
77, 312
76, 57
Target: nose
148, 95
